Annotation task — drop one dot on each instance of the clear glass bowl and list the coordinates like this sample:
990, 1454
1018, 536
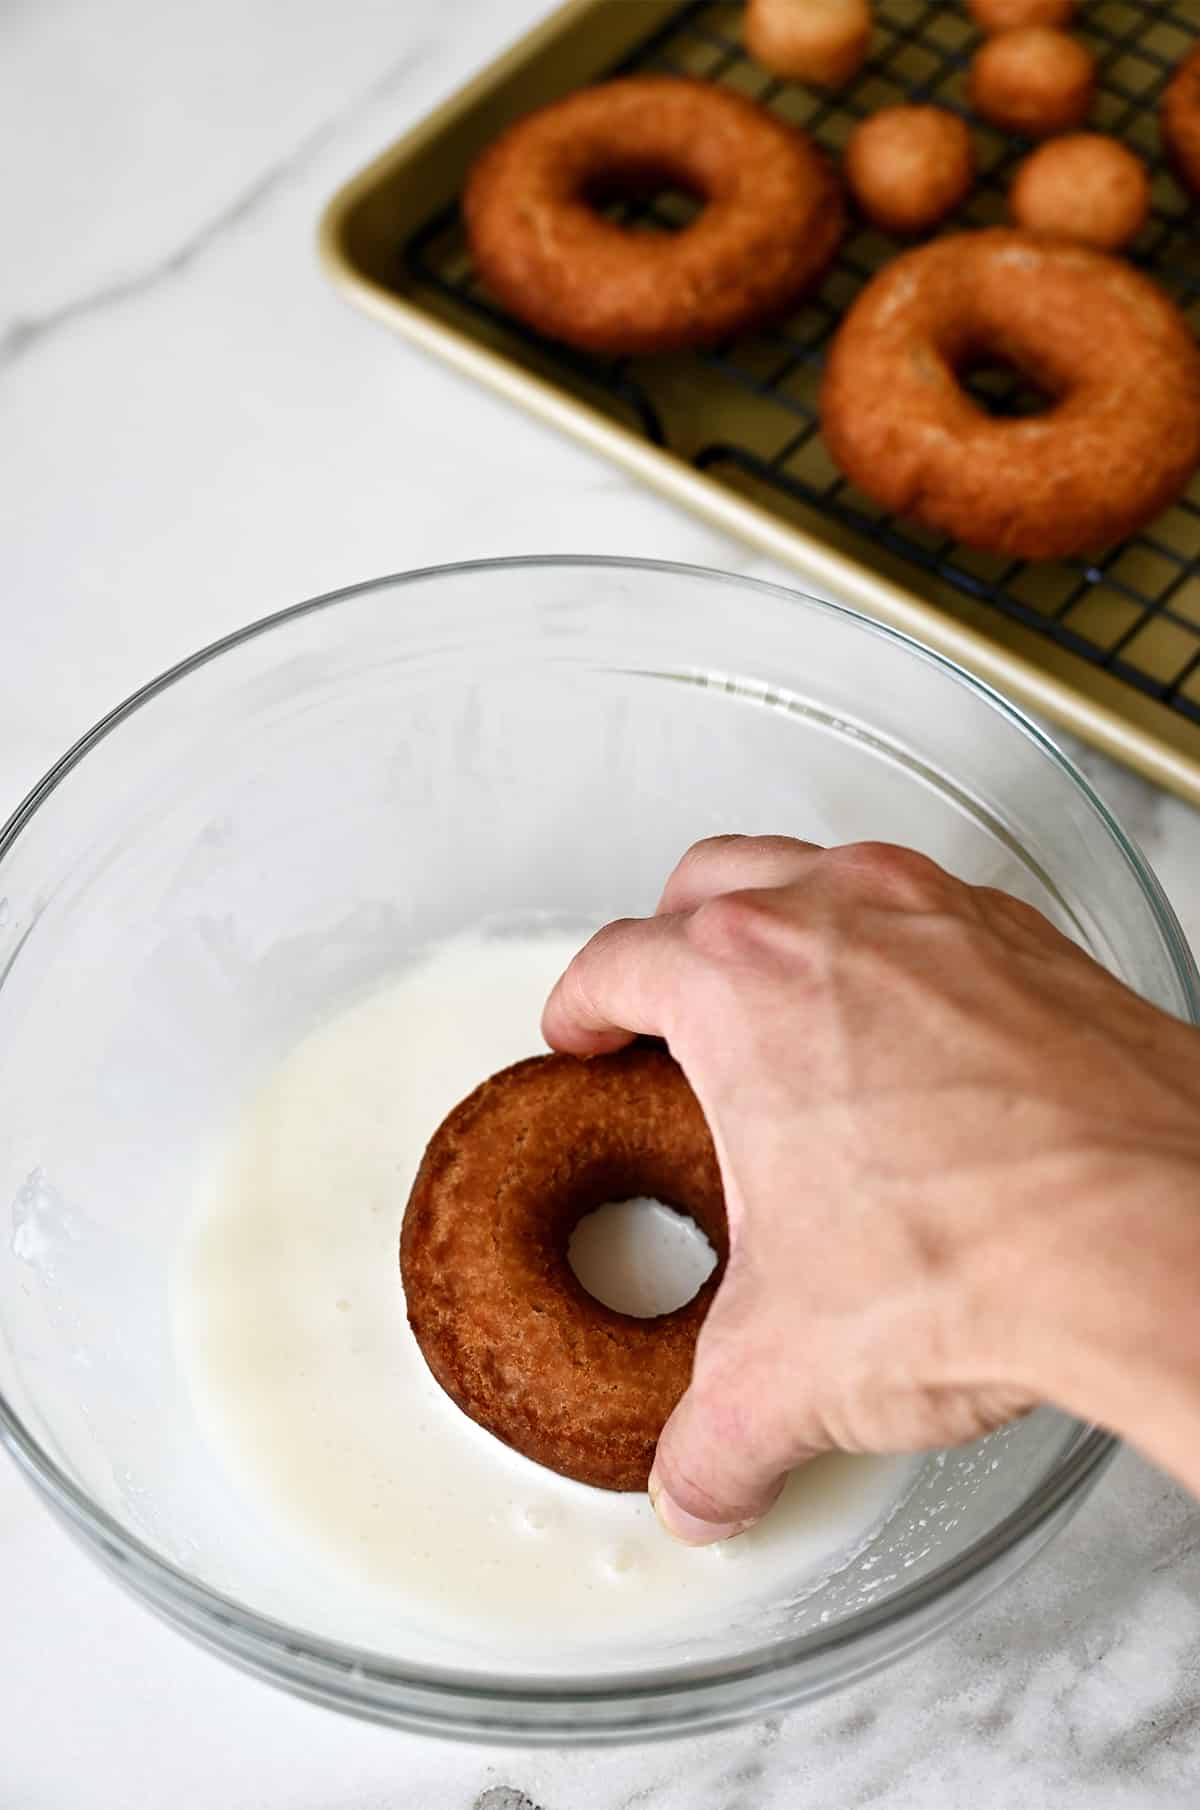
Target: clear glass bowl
276, 826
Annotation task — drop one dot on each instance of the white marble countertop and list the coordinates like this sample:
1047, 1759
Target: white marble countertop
197, 431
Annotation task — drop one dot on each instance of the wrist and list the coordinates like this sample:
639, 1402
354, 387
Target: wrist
1110, 1326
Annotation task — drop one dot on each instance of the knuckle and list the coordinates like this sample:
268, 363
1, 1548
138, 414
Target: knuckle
733, 927
577, 989
773, 846
579, 981
1013, 911
695, 860
885, 871
709, 845
696, 871
574, 996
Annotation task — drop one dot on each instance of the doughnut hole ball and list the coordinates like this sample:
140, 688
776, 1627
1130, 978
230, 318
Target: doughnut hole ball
1180, 120
908, 167
1008, 15
1082, 187
819, 41
1035, 81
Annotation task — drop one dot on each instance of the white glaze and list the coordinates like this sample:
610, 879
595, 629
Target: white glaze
302, 1364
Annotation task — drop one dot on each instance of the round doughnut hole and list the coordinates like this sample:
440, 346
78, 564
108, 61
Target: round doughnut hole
640, 1257
1002, 390
645, 199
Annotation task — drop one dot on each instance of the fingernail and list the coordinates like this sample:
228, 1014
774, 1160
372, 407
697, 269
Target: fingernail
688, 1528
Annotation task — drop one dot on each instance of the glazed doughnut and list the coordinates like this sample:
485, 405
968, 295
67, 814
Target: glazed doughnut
1034, 80
1180, 120
503, 1324
772, 218
1118, 442
1008, 15
820, 41
1083, 187
908, 167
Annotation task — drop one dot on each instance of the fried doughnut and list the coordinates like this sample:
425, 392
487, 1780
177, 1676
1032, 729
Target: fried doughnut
820, 41
909, 166
1179, 120
1083, 187
1117, 443
1008, 15
503, 1323
1034, 80
772, 218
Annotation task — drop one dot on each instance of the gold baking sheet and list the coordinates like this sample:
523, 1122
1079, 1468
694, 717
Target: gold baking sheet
1110, 649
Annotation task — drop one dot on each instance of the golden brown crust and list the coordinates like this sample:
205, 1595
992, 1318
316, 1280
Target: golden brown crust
772, 218
1117, 446
820, 41
1033, 80
1009, 15
1180, 120
1083, 187
503, 1324
908, 167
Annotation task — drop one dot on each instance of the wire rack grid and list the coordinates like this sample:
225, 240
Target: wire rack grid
1133, 610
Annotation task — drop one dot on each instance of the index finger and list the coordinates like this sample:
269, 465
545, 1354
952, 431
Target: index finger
623, 984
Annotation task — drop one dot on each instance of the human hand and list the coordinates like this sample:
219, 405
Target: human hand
961, 1165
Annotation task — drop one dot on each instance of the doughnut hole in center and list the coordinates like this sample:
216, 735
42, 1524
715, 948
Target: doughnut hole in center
640, 1256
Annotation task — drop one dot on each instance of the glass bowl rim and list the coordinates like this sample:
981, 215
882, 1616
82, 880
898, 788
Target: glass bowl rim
160, 1580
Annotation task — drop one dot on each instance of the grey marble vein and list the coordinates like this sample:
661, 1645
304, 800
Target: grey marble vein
503, 1797
24, 334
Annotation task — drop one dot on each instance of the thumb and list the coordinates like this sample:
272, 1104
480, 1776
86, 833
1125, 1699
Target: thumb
725, 1452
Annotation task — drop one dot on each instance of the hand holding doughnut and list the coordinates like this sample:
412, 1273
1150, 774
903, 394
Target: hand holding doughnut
961, 1164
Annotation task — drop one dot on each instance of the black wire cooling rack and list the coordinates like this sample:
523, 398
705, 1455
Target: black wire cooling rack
1135, 610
